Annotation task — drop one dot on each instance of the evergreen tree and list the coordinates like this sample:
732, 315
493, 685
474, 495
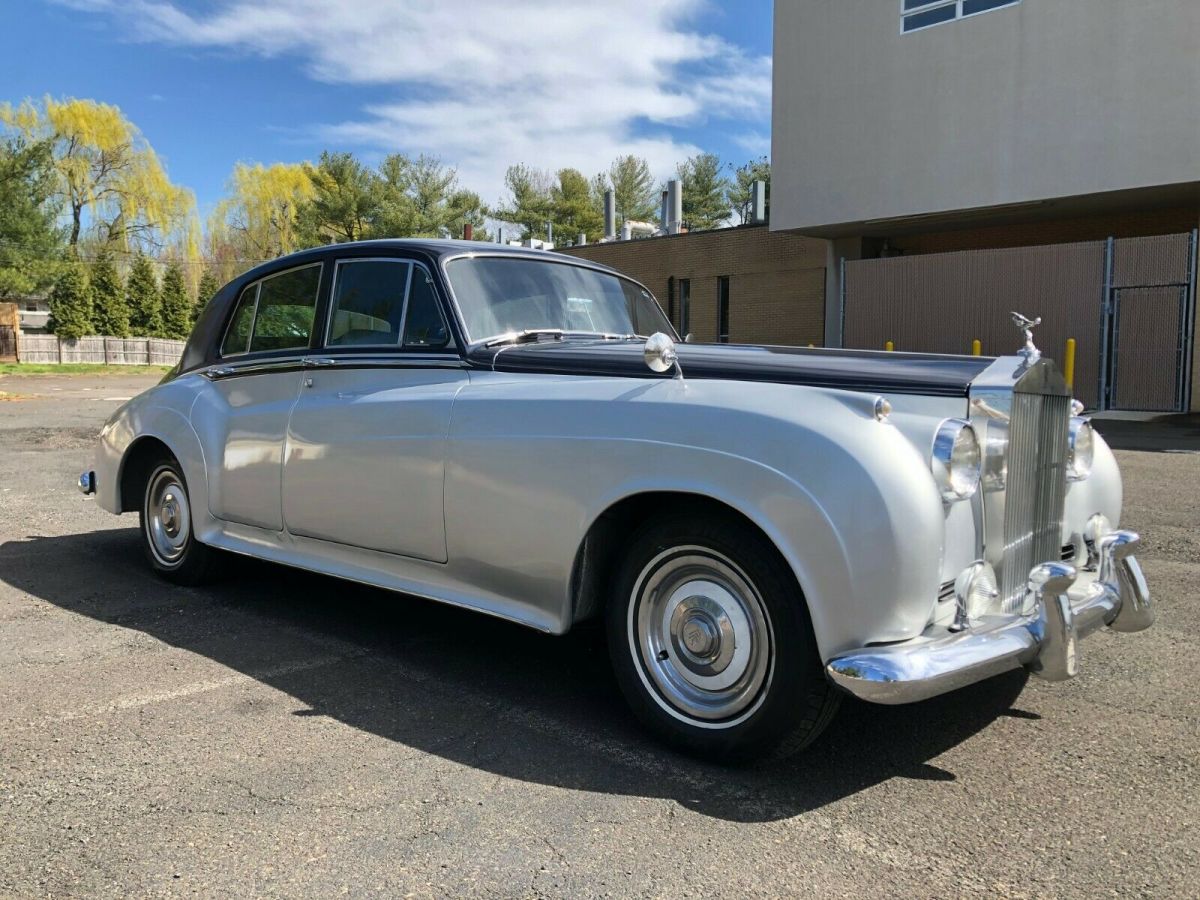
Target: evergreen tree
574, 211
207, 290
741, 193
633, 189
145, 304
110, 311
705, 189
176, 304
30, 241
71, 303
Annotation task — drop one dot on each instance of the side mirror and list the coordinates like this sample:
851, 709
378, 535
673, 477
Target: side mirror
659, 353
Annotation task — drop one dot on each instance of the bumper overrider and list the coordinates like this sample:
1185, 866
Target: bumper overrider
1065, 605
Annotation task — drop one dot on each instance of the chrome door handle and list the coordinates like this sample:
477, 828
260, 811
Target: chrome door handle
214, 372
321, 362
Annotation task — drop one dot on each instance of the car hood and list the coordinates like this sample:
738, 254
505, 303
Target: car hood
854, 370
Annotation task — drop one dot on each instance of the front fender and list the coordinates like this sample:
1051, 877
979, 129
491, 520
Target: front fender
848, 500
159, 414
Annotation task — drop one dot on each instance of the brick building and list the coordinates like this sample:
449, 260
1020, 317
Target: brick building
746, 285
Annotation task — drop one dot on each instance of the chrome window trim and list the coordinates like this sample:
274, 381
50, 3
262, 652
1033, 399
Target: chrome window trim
560, 261
959, 14
355, 361
399, 346
257, 285
221, 354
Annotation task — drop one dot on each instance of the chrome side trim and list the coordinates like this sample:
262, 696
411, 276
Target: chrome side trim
291, 364
364, 361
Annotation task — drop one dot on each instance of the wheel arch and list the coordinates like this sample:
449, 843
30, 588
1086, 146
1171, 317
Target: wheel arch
609, 532
135, 468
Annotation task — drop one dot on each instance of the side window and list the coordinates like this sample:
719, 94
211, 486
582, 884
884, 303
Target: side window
385, 303
237, 338
423, 323
286, 304
368, 303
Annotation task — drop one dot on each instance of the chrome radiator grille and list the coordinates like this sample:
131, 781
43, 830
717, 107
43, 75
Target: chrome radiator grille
1035, 492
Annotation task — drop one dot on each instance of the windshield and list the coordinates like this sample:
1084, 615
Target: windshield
498, 295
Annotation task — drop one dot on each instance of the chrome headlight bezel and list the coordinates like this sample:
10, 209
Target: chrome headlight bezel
956, 460
1081, 448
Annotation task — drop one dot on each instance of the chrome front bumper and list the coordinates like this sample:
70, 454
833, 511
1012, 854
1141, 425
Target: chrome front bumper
1066, 606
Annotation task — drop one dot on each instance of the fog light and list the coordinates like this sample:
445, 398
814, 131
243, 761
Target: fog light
974, 593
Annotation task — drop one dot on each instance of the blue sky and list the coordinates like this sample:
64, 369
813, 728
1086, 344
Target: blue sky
480, 84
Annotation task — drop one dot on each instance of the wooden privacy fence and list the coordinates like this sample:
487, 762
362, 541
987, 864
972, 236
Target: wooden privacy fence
113, 351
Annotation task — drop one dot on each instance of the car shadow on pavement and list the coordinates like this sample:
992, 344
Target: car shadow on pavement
476, 690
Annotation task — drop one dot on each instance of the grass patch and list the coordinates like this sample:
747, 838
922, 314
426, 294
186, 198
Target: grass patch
78, 369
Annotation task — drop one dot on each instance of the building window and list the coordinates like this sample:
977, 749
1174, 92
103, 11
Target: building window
918, 14
685, 306
723, 309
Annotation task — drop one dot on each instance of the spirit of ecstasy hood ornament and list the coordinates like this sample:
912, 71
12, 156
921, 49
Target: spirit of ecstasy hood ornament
1031, 353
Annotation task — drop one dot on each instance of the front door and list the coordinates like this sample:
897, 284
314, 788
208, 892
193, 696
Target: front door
242, 416
366, 444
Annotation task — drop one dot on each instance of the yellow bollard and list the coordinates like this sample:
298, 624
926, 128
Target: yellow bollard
1069, 364
976, 347
889, 346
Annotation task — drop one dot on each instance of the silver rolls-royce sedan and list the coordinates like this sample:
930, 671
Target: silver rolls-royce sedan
515, 431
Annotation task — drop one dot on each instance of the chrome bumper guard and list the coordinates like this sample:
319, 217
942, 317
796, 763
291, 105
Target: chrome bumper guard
1044, 641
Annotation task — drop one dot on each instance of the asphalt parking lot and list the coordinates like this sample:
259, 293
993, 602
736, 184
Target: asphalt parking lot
281, 733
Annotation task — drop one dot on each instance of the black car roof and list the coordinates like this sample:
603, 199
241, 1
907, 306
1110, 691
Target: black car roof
201, 346
436, 248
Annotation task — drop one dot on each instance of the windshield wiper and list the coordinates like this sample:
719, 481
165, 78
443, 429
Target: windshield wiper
533, 335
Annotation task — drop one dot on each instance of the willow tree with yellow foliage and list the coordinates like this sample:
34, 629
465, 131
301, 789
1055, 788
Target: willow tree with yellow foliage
258, 220
111, 182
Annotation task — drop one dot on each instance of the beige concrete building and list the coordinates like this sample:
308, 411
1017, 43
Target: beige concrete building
941, 162
974, 128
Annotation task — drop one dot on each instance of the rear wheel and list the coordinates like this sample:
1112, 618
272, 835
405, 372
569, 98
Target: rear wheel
711, 642
166, 524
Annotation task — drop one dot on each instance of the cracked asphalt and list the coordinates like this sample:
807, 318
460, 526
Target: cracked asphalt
285, 734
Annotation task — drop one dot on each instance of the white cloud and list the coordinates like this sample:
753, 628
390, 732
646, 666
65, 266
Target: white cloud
484, 84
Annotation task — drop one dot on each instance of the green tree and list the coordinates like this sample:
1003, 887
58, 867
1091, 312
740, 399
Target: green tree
110, 310
636, 196
209, 285
71, 303
532, 203
741, 193
145, 303
705, 190
259, 218
30, 241
176, 303
106, 169
345, 204
574, 208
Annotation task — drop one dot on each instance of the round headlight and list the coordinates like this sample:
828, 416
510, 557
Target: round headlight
957, 459
1081, 448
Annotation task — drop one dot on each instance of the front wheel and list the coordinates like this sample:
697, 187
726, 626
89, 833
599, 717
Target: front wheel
711, 641
166, 525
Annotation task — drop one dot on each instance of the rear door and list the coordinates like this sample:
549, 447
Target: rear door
242, 416
366, 443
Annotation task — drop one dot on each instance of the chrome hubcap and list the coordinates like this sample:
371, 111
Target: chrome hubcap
701, 636
168, 517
